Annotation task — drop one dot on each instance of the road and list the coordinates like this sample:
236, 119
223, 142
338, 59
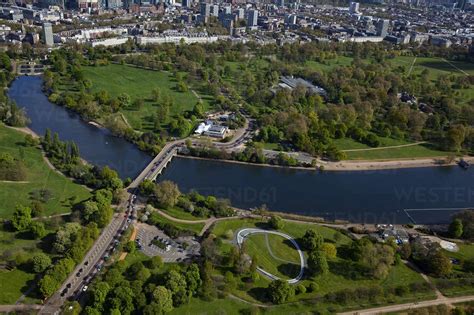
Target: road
407, 306
87, 269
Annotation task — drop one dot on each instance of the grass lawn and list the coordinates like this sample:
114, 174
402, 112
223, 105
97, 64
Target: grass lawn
415, 151
40, 176
139, 83
291, 228
329, 64
284, 263
195, 227
225, 306
435, 66
181, 214
13, 284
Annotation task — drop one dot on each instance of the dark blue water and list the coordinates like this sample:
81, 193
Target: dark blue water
360, 196
96, 145
386, 196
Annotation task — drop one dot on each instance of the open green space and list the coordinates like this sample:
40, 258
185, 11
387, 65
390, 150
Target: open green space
181, 214
62, 193
329, 64
296, 230
283, 264
338, 279
435, 66
194, 227
13, 284
40, 177
139, 83
226, 306
415, 151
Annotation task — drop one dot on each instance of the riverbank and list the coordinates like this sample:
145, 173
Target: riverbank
388, 164
352, 165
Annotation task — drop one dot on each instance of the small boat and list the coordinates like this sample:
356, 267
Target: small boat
462, 163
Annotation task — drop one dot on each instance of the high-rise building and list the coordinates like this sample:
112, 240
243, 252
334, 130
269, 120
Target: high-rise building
47, 34
240, 13
186, 3
382, 27
290, 19
280, 3
114, 4
354, 7
88, 4
252, 18
214, 10
205, 9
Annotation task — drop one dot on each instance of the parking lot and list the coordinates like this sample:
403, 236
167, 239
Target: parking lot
174, 251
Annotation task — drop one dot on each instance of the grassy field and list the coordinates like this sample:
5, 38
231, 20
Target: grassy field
195, 227
284, 263
338, 279
329, 64
14, 282
294, 229
415, 151
435, 66
139, 83
181, 214
40, 176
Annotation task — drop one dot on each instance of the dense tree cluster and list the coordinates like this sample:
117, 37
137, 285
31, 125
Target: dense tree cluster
167, 195
462, 225
143, 287
65, 157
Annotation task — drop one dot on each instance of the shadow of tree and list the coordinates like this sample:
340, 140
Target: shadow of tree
289, 270
260, 294
347, 269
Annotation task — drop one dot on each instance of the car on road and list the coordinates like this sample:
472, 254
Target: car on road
84, 288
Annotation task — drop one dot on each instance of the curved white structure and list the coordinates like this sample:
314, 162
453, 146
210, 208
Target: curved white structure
242, 234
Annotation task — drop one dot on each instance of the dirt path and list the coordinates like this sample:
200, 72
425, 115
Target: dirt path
409, 306
412, 65
455, 67
19, 308
383, 148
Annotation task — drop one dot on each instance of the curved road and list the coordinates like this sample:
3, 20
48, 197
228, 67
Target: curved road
242, 234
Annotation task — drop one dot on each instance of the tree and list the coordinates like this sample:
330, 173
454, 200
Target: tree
21, 218
40, 262
455, 228
167, 193
155, 262
317, 262
176, 283
98, 293
198, 110
37, 229
276, 222
312, 240
146, 187
439, 264
280, 291
130, 247
163, 298
329, 249
48, 285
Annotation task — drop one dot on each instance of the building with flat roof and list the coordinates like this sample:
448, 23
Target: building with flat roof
47, 34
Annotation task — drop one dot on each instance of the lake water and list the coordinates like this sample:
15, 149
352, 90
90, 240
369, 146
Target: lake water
96, 145
421, 195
